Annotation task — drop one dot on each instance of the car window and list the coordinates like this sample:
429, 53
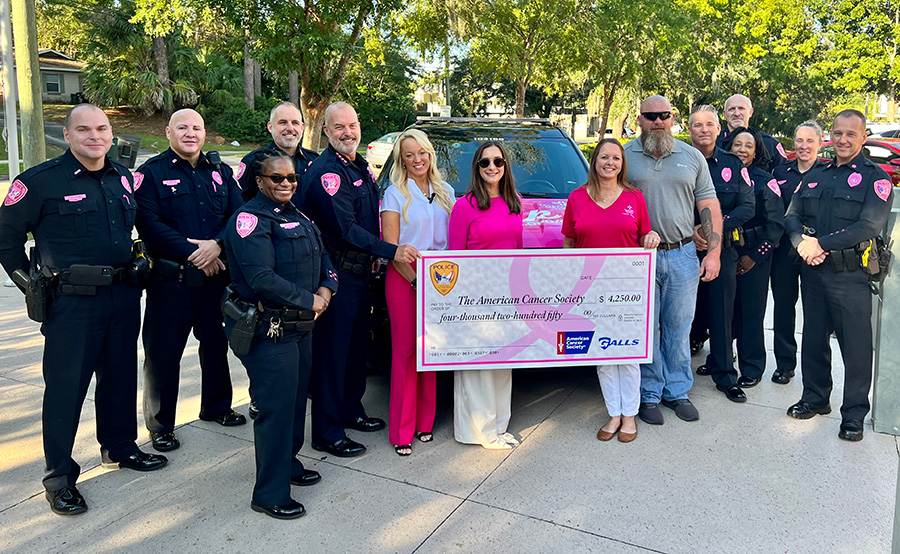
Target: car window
879, 154
827, 152
543, 166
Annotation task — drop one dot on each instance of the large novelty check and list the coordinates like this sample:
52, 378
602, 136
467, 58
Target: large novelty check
534, 308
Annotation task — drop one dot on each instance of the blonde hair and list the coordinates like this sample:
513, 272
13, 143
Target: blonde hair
400, 176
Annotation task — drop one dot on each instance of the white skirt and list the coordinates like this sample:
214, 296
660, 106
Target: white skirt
481, 405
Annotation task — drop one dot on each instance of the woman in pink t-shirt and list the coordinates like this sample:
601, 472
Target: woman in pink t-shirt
607, 212
488, 217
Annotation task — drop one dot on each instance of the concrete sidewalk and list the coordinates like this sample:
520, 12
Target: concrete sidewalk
745, 478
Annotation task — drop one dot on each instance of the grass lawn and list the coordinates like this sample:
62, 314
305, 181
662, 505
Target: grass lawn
151, 130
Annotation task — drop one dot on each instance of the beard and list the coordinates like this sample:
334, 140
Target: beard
345, 147
658, 141
287, 142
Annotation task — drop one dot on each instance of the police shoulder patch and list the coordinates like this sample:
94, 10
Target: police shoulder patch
245, 224
746, 175
773, 185
883, 189
240, 170
17, 191
138, 179
331, 182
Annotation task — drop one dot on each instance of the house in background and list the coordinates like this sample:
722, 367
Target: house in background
61, 76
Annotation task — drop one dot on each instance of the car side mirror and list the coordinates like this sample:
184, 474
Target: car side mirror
895, 162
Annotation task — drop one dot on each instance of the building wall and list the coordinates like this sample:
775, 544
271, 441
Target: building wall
58, 86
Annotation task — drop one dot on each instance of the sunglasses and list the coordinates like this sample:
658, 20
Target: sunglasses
277, 179
653, 116
485, 163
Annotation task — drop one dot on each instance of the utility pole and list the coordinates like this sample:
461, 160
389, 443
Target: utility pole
27, 70
11, 126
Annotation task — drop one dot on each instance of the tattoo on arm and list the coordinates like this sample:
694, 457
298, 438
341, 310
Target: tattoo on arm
712, 238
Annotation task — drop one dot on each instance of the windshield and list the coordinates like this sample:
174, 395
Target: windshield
545, 164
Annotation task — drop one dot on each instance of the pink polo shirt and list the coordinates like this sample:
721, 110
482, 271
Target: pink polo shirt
492, 229
617, 226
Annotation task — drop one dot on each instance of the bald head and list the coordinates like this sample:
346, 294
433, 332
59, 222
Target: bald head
82, 108
187, 134
89, 135
738, 109
342, 128
656, 103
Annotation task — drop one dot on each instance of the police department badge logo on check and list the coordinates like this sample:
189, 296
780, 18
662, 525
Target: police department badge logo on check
443, 276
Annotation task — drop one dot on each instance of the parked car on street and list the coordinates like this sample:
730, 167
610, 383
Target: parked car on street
379, 151
883, 151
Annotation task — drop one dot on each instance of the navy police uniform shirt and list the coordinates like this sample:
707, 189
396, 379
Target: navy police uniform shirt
777, 155
303, 158
788, 177
341, 197
845, 205
276, 256
177, 201
733, 189
767, 222
76, 216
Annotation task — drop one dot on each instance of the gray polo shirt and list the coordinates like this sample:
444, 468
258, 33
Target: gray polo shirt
672, 185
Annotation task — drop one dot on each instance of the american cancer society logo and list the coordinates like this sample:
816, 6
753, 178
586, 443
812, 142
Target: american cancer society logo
573, 342
444, 275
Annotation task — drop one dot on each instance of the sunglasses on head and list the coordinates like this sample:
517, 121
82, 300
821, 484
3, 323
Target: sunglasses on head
484, 163
277, 179
653, 116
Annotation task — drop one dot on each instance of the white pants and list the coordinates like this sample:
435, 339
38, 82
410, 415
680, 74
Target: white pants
621, 386
481, 405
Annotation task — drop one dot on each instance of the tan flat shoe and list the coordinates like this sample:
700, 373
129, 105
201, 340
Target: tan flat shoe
606, 435
627, 437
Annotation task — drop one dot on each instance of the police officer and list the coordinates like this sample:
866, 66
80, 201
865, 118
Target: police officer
761, 234
785, 263
286, 127
280, 269
715, 299
738, 110
80, 209
185, 197
340, 196
840, 206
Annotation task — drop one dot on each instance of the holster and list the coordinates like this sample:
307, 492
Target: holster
245, 316
38, 293
139, 272
352, 261
733, 237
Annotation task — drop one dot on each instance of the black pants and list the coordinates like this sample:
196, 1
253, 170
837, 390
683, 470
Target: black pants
172, 311
749, 313
785, 291
340, 345
279, 381
838, 301
714, 314
85, 335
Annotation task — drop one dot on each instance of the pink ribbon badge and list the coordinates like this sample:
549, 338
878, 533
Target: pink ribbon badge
245, 224
854, 179
331, 182
17, 191
726, 174
883, 189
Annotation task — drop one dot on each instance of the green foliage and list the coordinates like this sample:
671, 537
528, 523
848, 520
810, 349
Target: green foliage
240, 123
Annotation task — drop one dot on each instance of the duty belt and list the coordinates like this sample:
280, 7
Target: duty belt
350, 260
83, 280
843, 260
188, 274
291, 318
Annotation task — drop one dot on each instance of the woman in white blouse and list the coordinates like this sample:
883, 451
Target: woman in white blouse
415, 210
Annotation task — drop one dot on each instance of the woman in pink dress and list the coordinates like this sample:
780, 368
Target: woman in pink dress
488, 217
607, 212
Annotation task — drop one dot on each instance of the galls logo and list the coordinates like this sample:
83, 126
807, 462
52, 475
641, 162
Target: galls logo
573, 342
606, 342
443, 276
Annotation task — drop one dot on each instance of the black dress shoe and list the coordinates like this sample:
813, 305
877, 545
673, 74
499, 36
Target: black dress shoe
805, 410
733, 393
230, 418
782, 377
140, 462
703, 370
164, 442
696, 346
747, 382
366, 424
253, 410
307, 478
288, 511
344, 448
851, 430
66, 501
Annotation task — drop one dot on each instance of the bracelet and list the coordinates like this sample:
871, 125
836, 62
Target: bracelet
413, 283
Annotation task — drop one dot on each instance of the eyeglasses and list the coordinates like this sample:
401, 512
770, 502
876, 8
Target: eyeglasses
485, 163
277, 179
653, 116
